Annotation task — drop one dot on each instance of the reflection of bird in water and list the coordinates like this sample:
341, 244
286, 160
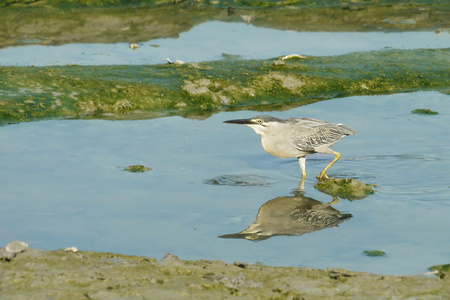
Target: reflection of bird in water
294, 215
297, 137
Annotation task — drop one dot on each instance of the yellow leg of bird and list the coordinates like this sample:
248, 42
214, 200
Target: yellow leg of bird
335, 200
322, 174
301, 185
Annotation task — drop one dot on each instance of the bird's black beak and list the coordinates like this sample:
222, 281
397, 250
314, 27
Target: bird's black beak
240, 121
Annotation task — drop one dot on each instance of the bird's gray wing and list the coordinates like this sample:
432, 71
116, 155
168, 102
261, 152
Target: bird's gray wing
310, 135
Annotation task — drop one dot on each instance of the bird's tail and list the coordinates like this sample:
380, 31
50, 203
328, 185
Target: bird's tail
346, 130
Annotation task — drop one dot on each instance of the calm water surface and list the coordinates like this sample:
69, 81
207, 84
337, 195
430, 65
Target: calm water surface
63, 185
210, 40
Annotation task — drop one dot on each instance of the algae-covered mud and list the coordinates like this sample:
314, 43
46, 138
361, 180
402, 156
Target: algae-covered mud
31, 93
37, 274
137, 168
200, 89
350, 189
47, 22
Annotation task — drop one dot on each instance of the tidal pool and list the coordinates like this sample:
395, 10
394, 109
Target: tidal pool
209, 41
63, 185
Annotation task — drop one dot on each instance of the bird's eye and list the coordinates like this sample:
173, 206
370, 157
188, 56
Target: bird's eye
259, 121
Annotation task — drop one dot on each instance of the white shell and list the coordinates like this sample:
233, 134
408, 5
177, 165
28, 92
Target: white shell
177, 62
293, 56
71, 249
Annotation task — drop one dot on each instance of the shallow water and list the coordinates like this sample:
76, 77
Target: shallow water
210, 40
63, 185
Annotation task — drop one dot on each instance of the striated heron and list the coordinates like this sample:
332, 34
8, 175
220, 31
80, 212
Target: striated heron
297, 137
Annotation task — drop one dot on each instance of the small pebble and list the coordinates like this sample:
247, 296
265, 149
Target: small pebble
278, 63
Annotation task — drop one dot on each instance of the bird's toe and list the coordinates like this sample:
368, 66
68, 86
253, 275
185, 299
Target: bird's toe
322, 177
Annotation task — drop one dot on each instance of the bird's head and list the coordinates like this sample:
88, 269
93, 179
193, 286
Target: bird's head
260, 124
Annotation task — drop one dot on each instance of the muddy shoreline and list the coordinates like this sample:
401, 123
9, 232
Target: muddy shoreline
64, 274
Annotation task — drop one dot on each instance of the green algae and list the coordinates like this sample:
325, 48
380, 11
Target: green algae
424, 111
137, 168
201, 89
374, 253
350, 189
440, 270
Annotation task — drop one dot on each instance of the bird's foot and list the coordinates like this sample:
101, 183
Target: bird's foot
322, 177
